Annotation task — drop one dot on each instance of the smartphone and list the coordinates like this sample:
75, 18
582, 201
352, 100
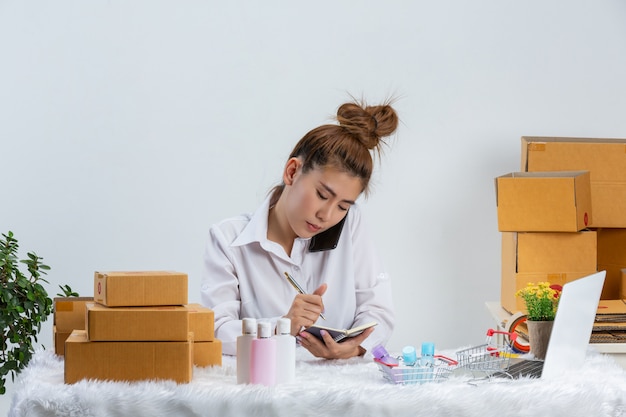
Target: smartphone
328, 239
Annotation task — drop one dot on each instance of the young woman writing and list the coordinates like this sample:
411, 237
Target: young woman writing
311, 228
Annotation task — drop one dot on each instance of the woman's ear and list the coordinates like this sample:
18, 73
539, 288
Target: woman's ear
292, 168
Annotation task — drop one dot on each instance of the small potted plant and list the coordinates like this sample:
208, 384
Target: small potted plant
542, 301
24, 306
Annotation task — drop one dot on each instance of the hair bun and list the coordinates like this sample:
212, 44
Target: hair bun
368, 124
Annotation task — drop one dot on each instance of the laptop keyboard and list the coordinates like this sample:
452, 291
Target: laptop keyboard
527, 368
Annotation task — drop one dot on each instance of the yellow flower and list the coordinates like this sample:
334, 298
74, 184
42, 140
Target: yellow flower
542, 300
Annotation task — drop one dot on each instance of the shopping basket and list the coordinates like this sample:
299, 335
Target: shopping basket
489, 357
418, 374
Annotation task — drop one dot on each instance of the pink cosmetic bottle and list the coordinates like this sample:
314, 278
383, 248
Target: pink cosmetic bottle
263, 356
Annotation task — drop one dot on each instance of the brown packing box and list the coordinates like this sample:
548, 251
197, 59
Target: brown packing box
611, 307
59, 340
164, 323
557, 252
140, 288
207, 353
201, 323
610, 316
623, 285
605, 159
127, 361
543, 201
535, 257
612, 258
69, 313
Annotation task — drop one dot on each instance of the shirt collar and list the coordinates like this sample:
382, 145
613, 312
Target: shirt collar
256, 229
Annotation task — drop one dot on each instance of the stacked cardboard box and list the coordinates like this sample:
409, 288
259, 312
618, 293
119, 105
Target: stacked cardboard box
564, 215
68, 315
543, 218
605, 159
141, 327
610, 323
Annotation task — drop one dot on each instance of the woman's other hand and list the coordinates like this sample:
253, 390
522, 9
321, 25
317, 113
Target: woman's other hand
330, 349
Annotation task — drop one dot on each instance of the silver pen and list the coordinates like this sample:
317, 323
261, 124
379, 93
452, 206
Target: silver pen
298, 288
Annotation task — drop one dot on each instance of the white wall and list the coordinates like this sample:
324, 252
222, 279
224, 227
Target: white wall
128, 127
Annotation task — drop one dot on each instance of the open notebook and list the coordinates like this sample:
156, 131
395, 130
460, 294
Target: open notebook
339, 334
571, 332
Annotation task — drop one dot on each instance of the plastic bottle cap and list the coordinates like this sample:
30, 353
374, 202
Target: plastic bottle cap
248, 326
283, 326
265, 330
408, 354
379, 352
428, 348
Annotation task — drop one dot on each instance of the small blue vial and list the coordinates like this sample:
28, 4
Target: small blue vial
427, 360
409, 358
428, 354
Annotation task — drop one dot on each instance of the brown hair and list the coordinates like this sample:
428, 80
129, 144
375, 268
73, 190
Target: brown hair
347, 145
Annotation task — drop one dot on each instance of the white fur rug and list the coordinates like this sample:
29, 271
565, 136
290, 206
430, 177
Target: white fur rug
352, 387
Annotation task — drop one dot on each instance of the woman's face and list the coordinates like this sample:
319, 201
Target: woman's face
319, 199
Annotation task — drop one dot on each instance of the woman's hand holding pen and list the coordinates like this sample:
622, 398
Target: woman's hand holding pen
306, 309
329, 349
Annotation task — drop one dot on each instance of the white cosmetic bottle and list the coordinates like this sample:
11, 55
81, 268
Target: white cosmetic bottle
263, 356
285, 352
244, 344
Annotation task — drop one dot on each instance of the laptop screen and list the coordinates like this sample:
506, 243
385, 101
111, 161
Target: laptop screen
573, 325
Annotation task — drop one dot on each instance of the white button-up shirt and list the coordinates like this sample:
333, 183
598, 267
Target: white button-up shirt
244, 276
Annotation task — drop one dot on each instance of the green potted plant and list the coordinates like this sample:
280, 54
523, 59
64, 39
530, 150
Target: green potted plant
25, 305
542, 301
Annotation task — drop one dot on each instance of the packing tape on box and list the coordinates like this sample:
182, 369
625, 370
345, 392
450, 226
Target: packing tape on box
520, 344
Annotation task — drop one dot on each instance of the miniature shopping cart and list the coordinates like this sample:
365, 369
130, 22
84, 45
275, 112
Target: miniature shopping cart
490, 357
403, 374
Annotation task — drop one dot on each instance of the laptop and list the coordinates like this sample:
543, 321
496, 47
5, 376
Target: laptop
571, 332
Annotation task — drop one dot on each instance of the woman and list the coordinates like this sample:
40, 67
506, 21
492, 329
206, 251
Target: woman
311, 228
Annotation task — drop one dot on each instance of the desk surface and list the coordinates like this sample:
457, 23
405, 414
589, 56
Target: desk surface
352, 387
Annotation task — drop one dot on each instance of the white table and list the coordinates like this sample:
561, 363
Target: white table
615, 350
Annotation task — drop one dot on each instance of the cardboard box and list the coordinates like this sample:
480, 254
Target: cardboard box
543, 201
140, 288
605, 159
611, 258
59, 340
126, 361
535, 257
623, 286
207, 353
611, 308
201, 323
69, 313
610, 317
164, 323
556, 252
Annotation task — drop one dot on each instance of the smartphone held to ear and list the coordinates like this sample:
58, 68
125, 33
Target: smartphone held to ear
328, 239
